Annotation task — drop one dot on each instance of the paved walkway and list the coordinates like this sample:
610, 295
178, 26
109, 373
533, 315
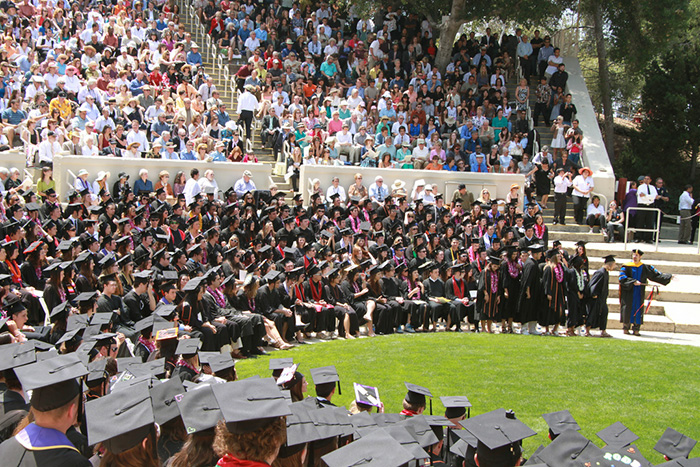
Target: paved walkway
660, 337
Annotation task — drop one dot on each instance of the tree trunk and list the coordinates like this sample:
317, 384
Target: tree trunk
604, 78
693, 163
448, 32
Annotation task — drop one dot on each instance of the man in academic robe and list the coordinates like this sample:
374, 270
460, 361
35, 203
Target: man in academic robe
555, 290
634, 277
435, 292
598, 306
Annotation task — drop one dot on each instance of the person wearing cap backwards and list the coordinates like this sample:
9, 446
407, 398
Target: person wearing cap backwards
598, 306
634, 277
55, 406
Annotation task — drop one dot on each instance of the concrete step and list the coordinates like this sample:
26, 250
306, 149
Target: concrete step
684, 254
656, 310
666, 294
556, 234
651, 323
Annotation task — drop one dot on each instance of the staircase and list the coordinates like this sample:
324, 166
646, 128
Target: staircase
675, 308
223, 74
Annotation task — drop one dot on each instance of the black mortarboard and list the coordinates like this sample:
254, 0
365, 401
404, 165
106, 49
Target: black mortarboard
199, 409
272, 276
250, 404
638, 251
188, 346
108, 260
100, 319
96, 373
416, 395
420, 427
569, 449
221, 362
609, 259
674, 444
85, 296
13, 303
406, 438
378, 450
324, 375
164, 310
16, 355
69, 335
581, 243
559, 422
59, 310
499, 434
164, 399
280, 363
120, 420
76, 322
617, 434
455, 406
192, 284
53, 381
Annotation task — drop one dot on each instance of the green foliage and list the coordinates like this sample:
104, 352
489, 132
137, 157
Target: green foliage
600, 381
671, 132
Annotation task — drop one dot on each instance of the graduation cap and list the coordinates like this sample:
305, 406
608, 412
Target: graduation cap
631, 456
108, 260
674, 444
421, 427
401, 434
33, 247
325, 375
60, 311
272, 276
164, 399
378, 450
16, 355
366, 395
559, 422
301, 430
192, 284
120, 420
569, 449
221, 362
609, 259
199, 409
76, 322
85, 297
617, 434
97, 373
416, 395
70, 335
455, 406
101, 319
163, 310
499, 434
250, 404
279, 364
188, 347
53, 381
13, 304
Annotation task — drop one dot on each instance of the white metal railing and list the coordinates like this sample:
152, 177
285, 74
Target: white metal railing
656, 230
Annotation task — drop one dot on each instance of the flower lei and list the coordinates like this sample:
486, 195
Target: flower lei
151, 346
218, 297
559, 273
494, 282
514, 269
579, 281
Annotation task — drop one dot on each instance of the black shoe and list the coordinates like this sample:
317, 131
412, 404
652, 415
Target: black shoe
683, 243
258, 351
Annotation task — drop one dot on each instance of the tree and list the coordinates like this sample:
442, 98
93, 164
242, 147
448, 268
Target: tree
630, 34
668, 141
447, 16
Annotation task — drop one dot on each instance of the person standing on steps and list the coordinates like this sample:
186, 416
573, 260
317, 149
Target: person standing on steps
685, 207
562, 182
646, 197
598, 306
634, 277
247, 106
583, 187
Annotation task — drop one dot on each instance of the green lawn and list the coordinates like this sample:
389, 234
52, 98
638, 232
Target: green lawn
646, 386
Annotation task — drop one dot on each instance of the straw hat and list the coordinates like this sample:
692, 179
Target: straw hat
398, 185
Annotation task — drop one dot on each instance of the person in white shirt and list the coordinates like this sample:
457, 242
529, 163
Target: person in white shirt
685, 207
136, 136
247, 105
345, 147
48, 148
562, 182
646, 195
335, 188
583, 186
104, 120
252, 43
192, 187
595, 215
420, 155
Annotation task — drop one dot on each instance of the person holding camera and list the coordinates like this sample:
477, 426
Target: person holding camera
615, 221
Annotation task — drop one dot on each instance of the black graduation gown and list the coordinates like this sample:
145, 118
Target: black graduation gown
59, 454
598, 305
358, 304
531, 281
489, 310
509, 305
456, 291
30, 278
383, 316
577, 306
336, 296
436, 289
553, 312
324, 317
12, 400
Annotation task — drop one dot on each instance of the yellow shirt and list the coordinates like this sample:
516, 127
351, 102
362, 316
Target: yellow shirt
64, 109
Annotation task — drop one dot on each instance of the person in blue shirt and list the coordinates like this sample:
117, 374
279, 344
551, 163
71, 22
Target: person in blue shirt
477, 162
188, 154
193, 56
217, 155
472, 142
137, 84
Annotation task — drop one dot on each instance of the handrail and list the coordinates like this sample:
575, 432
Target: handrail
656, 230
71, 185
